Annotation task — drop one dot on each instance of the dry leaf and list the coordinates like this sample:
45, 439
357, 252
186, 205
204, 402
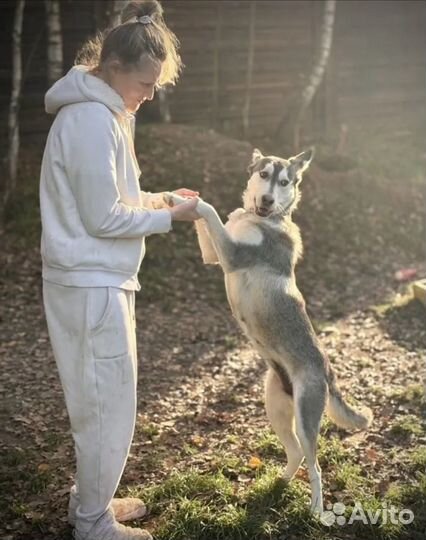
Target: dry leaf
255, 462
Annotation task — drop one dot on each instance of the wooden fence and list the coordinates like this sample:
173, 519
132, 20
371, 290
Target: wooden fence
251, 57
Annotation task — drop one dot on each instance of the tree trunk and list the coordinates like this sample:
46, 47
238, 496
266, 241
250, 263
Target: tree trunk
10, 184
115, 13
54, 41
294, 121
249, 76
216, 66
163, 97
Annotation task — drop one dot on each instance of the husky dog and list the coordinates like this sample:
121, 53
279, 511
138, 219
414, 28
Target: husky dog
258, 249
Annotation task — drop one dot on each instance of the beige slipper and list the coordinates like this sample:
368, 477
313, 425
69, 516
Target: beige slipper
107, 528
126, 509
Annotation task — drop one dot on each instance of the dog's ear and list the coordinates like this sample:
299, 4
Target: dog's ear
256, 156
301, 162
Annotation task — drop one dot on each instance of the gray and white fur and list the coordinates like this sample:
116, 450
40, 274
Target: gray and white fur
258, 249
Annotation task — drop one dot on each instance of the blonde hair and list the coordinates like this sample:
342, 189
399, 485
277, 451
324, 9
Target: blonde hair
131, 41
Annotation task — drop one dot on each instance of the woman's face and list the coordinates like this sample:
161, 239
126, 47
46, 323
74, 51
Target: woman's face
135, 86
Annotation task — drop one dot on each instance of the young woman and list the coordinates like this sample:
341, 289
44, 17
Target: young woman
94, 221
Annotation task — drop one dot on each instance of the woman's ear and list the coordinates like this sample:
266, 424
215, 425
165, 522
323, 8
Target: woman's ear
256, 156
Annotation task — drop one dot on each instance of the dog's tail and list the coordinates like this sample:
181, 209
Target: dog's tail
340, 412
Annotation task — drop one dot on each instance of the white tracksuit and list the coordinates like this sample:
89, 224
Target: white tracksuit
94, 220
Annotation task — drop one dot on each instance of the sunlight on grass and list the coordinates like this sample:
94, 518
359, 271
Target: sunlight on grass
268, 445
413, 393
407, 426
418, 459
200, 506
331, 451
397, 301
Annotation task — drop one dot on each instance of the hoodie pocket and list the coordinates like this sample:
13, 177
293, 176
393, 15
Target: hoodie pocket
109, 324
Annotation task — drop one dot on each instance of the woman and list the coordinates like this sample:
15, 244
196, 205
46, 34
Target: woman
94, 220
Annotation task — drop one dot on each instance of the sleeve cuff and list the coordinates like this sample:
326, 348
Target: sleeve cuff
161, 221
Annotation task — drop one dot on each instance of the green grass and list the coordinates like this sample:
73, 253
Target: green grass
348, 476
148, 431
209, 506
397, 301
407, 426
268, 445
412, 394
331, 451
417, 459
234, 502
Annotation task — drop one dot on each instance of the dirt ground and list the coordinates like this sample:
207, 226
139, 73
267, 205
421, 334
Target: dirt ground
200, 383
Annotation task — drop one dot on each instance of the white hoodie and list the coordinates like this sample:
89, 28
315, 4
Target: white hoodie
94, 215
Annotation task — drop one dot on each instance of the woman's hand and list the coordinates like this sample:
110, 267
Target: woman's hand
185, 211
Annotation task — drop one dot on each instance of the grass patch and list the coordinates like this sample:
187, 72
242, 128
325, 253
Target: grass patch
349, 476
201, 506
413, 394
149, 431
417, 459
331, 451
410, 497
399, 300
407, 427
209, 506
268, 445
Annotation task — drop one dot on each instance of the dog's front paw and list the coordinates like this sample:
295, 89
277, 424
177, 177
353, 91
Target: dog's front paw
172, 199
204, 209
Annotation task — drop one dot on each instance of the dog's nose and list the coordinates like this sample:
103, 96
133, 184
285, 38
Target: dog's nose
267, 200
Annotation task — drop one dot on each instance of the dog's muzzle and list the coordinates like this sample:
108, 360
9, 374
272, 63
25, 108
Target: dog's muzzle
266, 208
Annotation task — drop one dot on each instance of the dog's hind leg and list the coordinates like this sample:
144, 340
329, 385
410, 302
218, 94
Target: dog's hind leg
280, 412
309, 404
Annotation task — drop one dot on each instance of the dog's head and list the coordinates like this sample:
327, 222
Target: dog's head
273, 186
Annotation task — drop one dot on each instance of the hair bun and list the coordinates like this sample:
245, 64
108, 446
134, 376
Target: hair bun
139, 8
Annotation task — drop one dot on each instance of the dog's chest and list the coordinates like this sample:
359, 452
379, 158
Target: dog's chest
241, 297
247, 292
243, 231
260, 244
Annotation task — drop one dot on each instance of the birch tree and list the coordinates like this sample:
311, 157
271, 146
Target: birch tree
54, 41
294, 120
164, 105
319, 67
249, 72
115, 13
13, 123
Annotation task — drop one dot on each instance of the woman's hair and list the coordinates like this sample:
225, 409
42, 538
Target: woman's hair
131, 41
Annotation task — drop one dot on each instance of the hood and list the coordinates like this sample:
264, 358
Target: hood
79, 86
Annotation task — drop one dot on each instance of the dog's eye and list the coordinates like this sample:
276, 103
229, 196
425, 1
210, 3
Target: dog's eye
263, 174
284, 182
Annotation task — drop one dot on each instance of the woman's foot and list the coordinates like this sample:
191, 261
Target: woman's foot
126, 509
107, 528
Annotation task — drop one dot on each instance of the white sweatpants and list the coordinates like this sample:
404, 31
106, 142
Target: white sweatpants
92, 332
